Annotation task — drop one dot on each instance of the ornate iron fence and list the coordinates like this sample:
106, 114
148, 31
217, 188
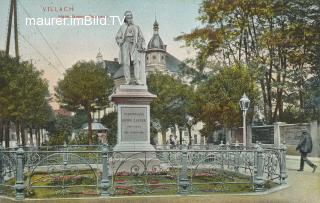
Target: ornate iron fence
99, 171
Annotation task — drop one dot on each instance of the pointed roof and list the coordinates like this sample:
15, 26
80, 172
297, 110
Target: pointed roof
156, 41
99, 55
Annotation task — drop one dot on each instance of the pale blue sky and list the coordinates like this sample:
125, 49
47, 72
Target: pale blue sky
73, 43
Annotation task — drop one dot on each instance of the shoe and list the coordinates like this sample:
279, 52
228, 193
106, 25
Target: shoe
300, 170
314, 169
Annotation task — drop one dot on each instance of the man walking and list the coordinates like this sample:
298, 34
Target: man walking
305, 147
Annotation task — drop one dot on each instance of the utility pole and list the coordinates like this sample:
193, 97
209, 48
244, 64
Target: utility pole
13, 14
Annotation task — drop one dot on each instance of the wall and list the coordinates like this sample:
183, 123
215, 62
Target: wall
281, 132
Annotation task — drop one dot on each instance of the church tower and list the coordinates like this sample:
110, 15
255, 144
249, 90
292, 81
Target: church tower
99, 60
156, 52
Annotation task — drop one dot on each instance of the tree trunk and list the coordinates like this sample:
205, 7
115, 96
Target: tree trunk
89, 119
31, 137
23, 135
17, 125
1, 131
7, 134
264, 96
180, 134
38, 137
42, 140
164, 137
190, 136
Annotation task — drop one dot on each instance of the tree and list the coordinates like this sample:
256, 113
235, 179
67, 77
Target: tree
173, 104
218, 98
84, 86
23, 95
60, 130
111, 122
162, 117
273, 38
79, 118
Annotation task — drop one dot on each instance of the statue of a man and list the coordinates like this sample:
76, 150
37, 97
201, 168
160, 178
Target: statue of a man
132, 50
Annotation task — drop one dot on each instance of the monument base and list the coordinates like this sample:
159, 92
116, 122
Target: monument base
133, 105
133, 147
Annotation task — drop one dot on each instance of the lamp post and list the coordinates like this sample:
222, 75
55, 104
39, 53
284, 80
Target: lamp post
244, 105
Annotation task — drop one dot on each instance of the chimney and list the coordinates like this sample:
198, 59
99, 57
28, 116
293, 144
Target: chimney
115, 60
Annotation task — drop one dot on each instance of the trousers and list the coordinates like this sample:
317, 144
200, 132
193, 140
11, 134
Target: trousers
130, 58
303, 159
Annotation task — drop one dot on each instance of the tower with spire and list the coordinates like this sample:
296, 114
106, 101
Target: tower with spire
157, 59
156, 52
99, 60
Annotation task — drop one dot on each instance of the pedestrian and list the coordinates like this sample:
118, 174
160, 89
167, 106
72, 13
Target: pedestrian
305, 147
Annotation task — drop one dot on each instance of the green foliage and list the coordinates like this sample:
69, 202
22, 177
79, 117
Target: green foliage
218, 98
165, 87
22, 91
111, 122
291, 114
174, 102
278, 40
23, 94
79, 118
312, 104
81, 138
60, 130
84, 86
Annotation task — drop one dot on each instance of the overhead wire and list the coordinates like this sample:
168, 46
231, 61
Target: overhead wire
45, 58
43, 37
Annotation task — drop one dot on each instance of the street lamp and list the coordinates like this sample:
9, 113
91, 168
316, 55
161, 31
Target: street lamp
244, 105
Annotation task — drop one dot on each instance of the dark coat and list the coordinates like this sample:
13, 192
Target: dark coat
305, 143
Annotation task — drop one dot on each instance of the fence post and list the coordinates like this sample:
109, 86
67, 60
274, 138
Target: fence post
183, 178
105, 172
228, 155
258, 175
19, 186
221, 155
283, 173
237, 157
1, 169
255, 159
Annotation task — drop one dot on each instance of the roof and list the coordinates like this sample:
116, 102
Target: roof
112, 67
174, 65
156, 42
95, 126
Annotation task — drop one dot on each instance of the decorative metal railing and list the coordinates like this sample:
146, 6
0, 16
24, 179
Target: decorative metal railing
71, 171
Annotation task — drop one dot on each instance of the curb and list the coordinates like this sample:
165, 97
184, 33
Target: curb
170, 197
290, 157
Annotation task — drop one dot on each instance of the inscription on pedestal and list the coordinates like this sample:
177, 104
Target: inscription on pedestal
134, 124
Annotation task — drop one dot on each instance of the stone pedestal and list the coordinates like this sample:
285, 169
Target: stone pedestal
133, 105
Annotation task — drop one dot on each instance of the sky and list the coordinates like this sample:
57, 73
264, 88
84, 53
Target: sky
73, 43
